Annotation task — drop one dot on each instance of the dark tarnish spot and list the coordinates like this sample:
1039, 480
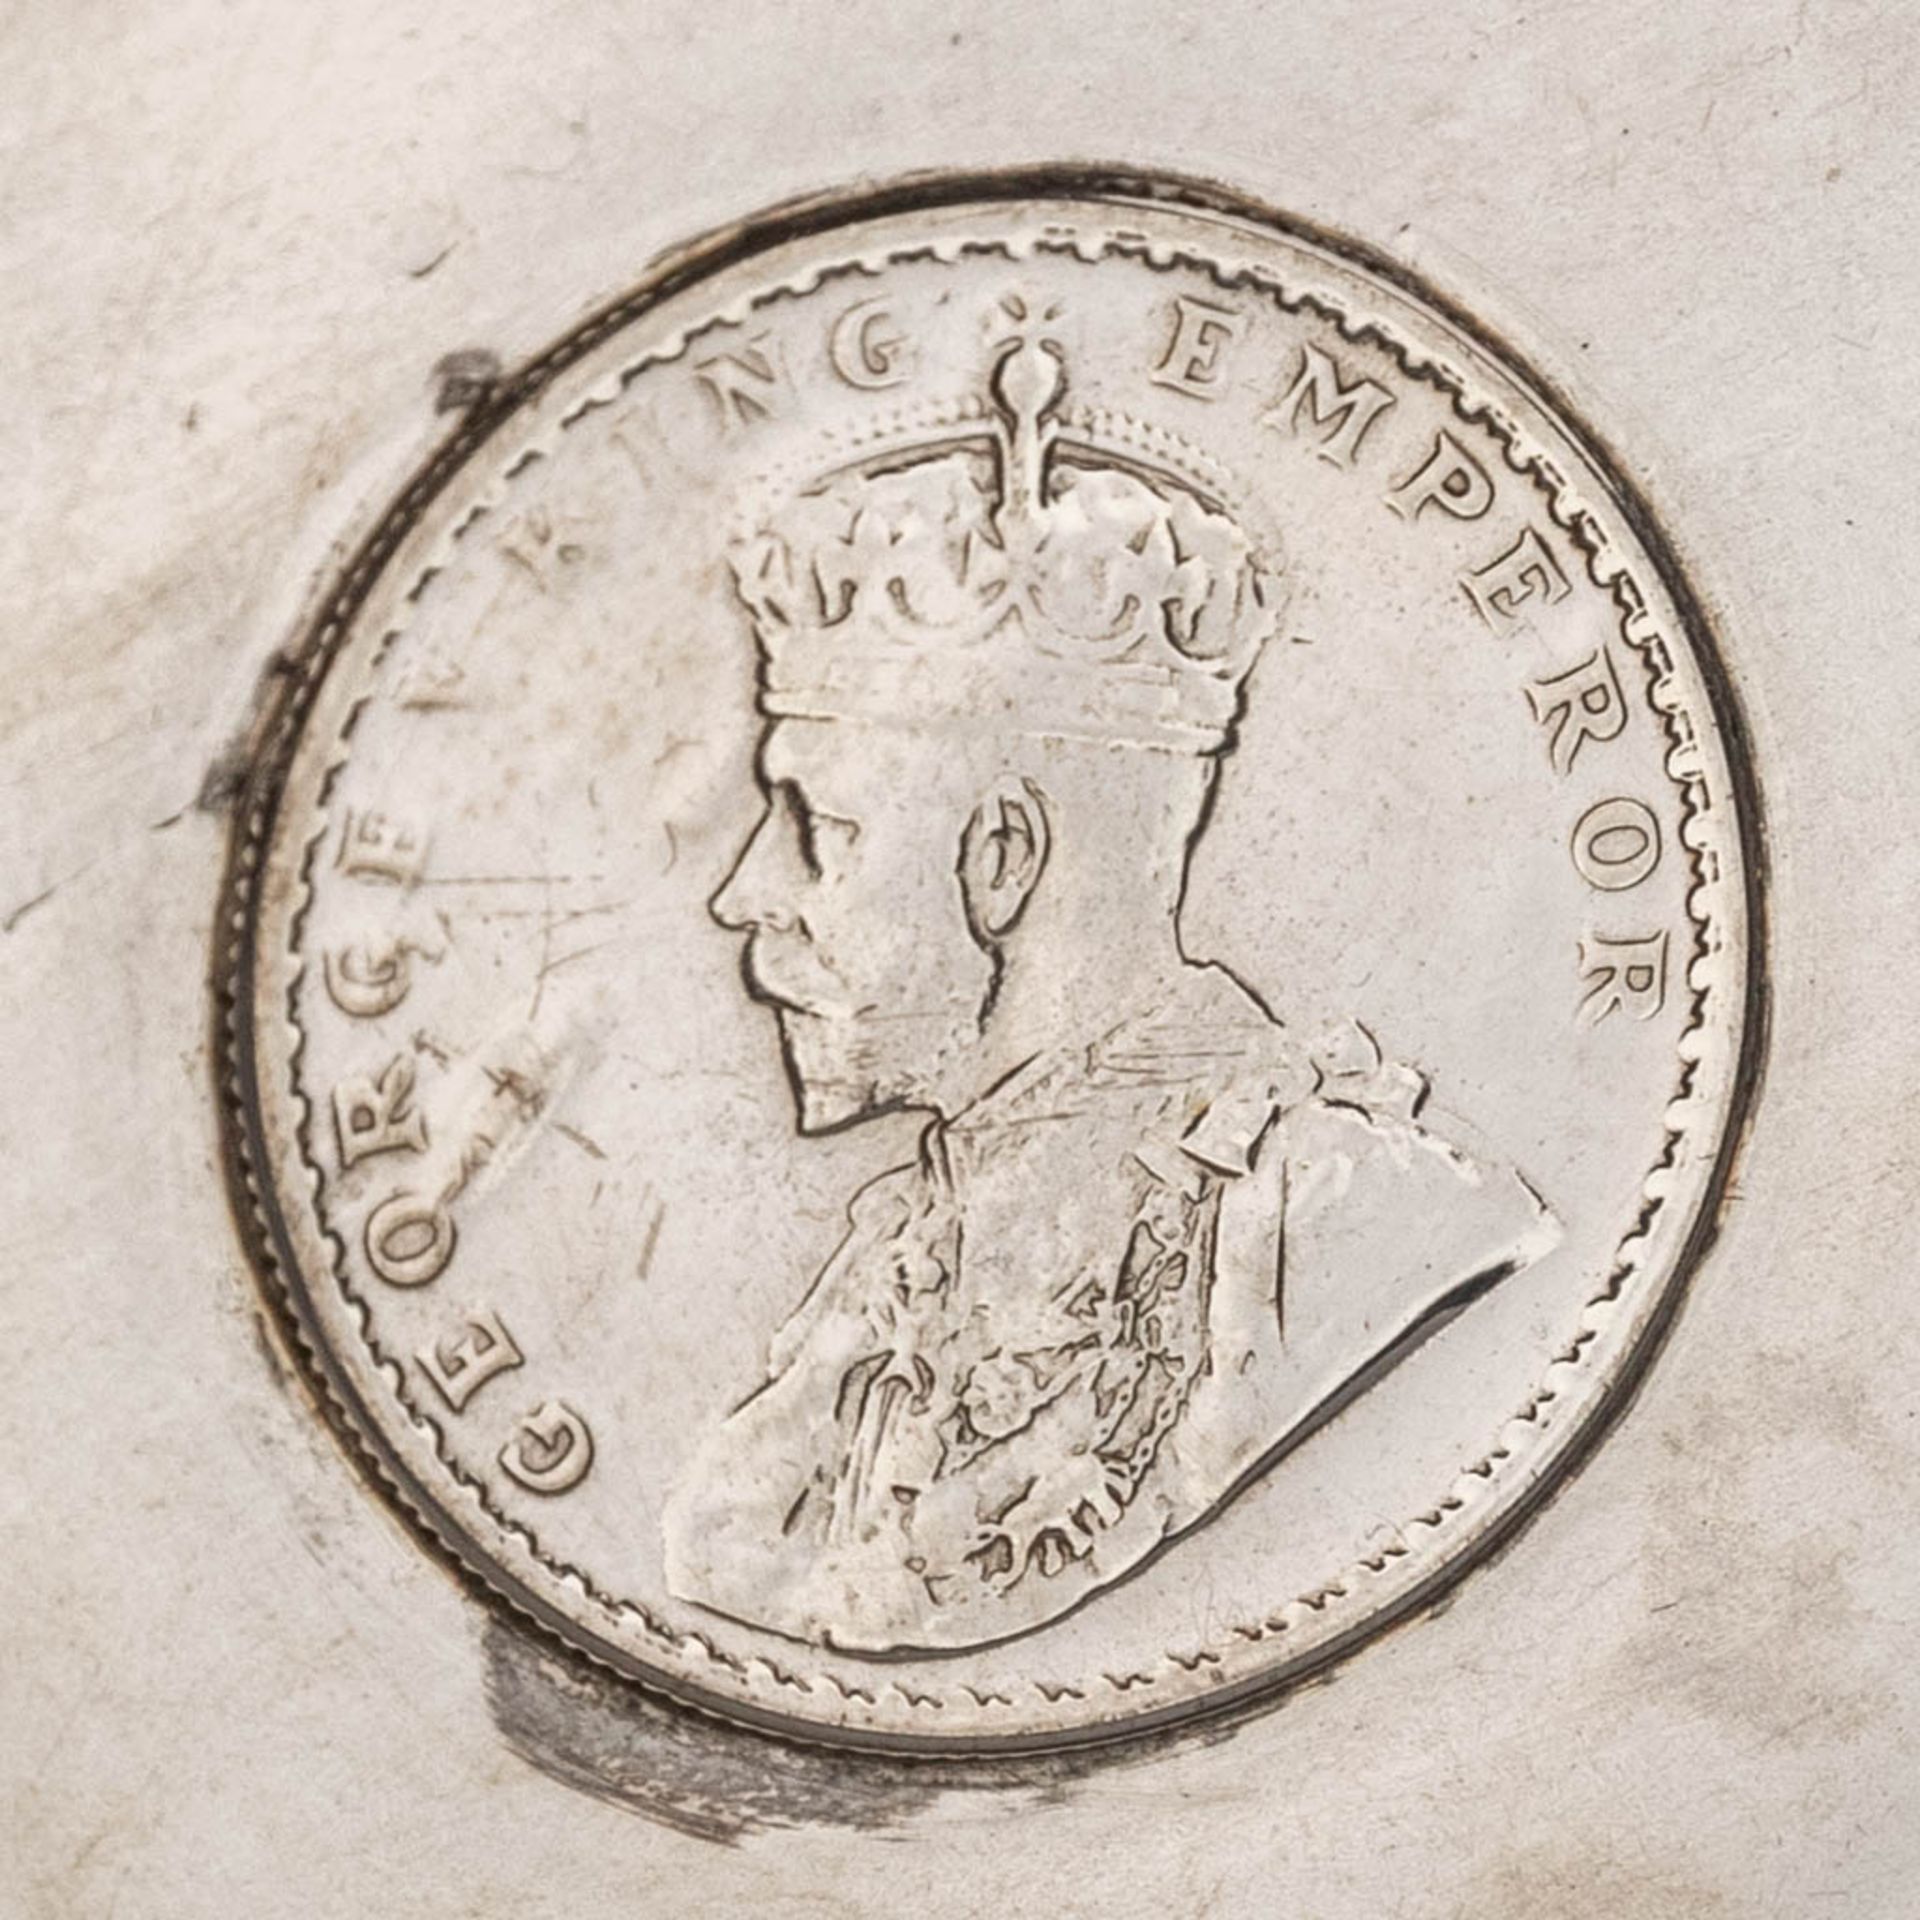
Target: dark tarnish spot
465, 378
230, 769
268, 1347
590, 1730
224, 779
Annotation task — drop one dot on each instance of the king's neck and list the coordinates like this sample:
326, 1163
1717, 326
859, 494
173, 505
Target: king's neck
1035, 1013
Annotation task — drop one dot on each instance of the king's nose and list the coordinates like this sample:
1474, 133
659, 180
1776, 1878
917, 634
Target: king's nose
744, 901
740, 912
726, 905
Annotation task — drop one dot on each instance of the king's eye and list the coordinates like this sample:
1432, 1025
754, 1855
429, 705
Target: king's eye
811, 825
809, 840
799, 816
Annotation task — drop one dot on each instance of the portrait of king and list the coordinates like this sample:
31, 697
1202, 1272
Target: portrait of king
1152, 1238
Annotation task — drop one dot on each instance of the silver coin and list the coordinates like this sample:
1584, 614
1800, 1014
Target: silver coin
994, 967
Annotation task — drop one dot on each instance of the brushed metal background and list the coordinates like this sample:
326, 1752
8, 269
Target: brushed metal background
237, 242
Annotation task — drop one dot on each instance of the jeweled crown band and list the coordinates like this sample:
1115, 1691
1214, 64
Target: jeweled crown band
1143, 711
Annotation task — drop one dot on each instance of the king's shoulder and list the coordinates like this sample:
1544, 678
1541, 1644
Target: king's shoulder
1222, 1076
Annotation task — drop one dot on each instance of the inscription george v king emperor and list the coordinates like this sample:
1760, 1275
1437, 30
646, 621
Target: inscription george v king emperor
1241, 896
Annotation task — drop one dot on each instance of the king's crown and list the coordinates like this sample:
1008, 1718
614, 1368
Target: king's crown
1034, 581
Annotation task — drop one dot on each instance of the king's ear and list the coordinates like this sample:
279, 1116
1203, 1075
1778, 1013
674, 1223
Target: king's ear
1003, 852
